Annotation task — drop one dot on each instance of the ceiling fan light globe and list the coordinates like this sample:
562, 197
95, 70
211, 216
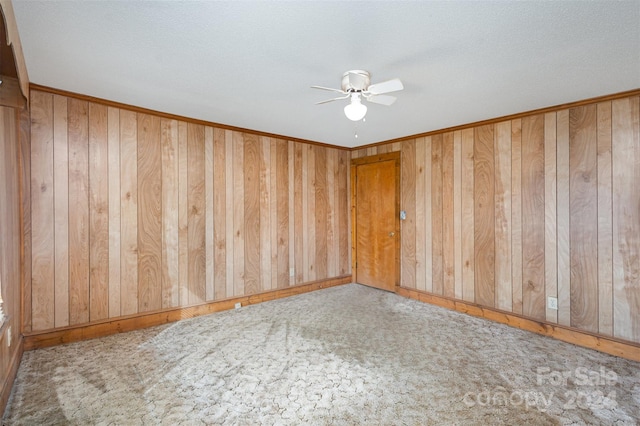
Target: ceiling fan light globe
355, 111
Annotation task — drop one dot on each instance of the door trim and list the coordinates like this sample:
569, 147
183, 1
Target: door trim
391, 156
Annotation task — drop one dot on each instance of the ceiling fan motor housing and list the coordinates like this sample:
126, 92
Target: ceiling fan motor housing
356, 81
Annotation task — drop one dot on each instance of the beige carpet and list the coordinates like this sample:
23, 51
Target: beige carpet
340, 356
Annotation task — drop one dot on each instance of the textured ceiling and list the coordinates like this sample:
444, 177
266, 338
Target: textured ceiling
250, 64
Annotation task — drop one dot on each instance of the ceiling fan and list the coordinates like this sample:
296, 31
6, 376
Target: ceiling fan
356, 84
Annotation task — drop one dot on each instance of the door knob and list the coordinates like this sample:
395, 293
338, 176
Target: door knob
391, 234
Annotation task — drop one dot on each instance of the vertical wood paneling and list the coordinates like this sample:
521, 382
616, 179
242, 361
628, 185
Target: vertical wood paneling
447, 216
183, 214
533, 297
605, 221
196, 222
484, 210
428, 220
42, 204
271, 234
281, 198
332, 248
128, 213
562, 192
78, 215
61, 213
321, 211
113, 137
344, 213
229, 212
252, 150
238, 214
420, 235
584, 217
219, 214
208, 211
25, 144
149, 213
502, 184
457, 212
437, 266
170, 220
98, 213
291, 199
298, 213
267, 231
550, 216
516, 216
626, 218
468, 217
311, 213
408, 249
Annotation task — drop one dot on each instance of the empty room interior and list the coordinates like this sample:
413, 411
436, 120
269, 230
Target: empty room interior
319, 212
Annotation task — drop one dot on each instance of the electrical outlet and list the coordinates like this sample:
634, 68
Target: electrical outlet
9, 336
238, 305
292, 272
552, 303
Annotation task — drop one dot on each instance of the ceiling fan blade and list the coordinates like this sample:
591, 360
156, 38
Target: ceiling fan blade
357, 81
331, 100
329, 89
385, 87
381, 99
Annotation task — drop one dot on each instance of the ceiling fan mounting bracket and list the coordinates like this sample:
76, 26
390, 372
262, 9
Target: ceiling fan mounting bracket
356, 84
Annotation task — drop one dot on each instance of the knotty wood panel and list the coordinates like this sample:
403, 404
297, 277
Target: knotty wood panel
421, 195
128, 212
98, 213
311, 249
321, 211
436, 215
447, 216
533, 297
149, 213
113, 138
61, 209
343, 213
208, 211
468, 217
484, 210
428, 221
238, 214
219, 217
408, 203
625, 119
229, 217
298, 209
503, 238
457, 212
584, 216
516, 216
170, 220
282, 198
79, 215
42, 204
252, 148
268, 233
550, 217
562, 191
196, 215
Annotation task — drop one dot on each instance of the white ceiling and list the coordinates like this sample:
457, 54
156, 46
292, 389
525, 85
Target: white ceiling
250, 64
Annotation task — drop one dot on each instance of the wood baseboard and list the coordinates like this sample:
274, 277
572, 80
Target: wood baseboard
123, 324
11, 376
610, 345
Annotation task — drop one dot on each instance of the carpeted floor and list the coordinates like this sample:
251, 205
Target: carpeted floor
340, 356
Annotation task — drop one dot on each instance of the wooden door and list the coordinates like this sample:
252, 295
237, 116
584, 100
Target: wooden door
376, 223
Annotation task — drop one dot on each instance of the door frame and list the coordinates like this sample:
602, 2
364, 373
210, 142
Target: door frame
355, 162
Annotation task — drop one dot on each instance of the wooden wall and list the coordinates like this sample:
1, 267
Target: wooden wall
507, 214
10, 238
133, 213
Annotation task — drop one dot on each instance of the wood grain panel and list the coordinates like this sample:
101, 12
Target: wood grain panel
343, 208
605, 221
562, 191
128, 212
79, 215
516, 216
282, 202
321, 211
584, 216
298, 216
252, 150
468, 217
183, 214
626, 218
271, 232
533, 297
149, 213
420, 235
238, 214
42, 204
503, 223
219, 214
291, 199
484, 211
24, 136
197, 225
170, 220
428, 220
113, 142
447, 216
550, 215
332, 248
61, 213
436, 215
408, 194
98, 213
311, 213
457, 212
208, 211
